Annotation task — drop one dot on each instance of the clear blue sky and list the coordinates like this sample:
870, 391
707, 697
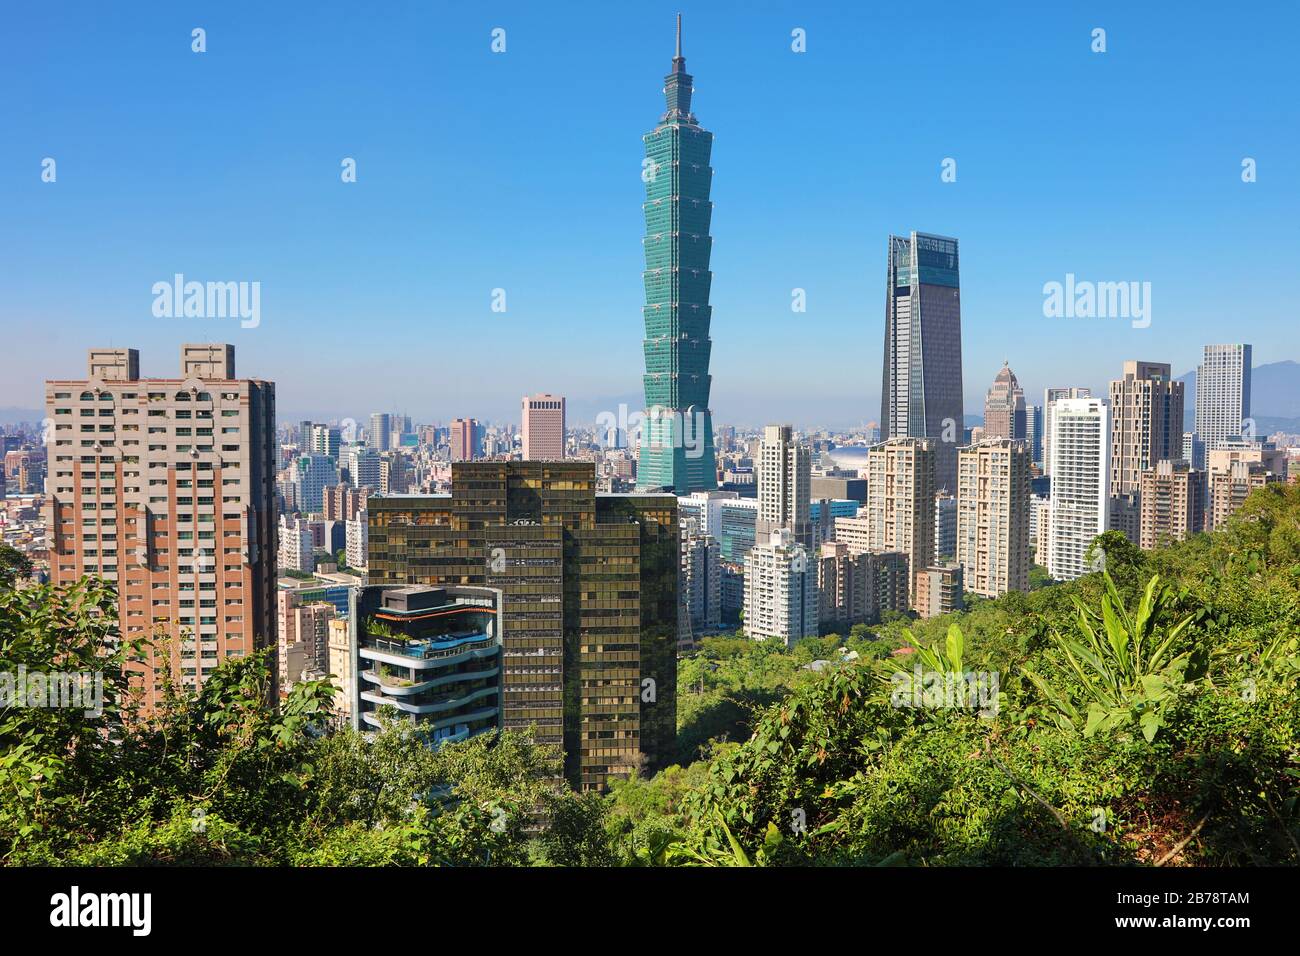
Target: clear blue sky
521, 171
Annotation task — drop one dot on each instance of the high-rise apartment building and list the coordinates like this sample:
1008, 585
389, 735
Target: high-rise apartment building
543, 427
464, 439
341, 669
166, 488
325, 441
364, 467
945, 521
737, 528
1080, 467
312, 474
1041, 516
701, 585
380, 434
781, 599
705, 507
1004, 407
784, 485
1050, 397
1034, 433
939, 590
993, 502
857, 587
1223, 394
303, 638
357, 541
1173, 503
297, 544
394, 473
589, 607
343, 502
1236, 468
677, 437
899, 512
921, 390
1146, 410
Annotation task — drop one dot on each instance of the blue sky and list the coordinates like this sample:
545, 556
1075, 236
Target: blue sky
521, 171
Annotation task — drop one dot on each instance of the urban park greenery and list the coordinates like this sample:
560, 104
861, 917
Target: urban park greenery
1148, 714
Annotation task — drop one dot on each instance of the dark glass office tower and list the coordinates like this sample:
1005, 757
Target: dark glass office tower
921, 393
677, 437
589, 608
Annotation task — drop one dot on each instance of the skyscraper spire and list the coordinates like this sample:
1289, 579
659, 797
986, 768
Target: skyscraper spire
677, 86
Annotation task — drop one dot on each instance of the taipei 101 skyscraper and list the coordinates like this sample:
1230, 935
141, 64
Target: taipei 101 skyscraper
677, 435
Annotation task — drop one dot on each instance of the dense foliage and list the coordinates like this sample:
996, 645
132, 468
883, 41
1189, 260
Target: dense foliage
1148, 714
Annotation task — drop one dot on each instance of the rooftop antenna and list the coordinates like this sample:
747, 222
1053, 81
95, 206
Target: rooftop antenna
679, 36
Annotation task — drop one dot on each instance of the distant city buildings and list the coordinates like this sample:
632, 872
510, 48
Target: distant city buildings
1080, 468
1146, 422
1004, 407
303, 638
939, 590
784, 486
1040, 517
856, 587
839, 487
379, 435
464, 438
1235, 469
993, 516
312, 474
1222, 394
1034, 433
945, 520
365, 467
900, 509
543, 427
1172, 502
297, 544
1050, 397
326, 441
701, 581
343, 502
781, 598
357, 541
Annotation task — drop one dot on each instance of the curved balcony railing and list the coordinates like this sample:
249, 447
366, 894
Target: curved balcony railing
432, 707
406, 688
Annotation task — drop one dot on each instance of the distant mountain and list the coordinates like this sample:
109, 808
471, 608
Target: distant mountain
1274, 397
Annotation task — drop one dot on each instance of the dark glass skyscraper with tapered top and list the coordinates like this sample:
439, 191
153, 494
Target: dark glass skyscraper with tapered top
677, 435
921, 393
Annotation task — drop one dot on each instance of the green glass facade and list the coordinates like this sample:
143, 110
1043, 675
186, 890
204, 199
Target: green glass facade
677, 436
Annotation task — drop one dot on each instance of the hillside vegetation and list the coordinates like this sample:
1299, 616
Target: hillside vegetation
1146, 715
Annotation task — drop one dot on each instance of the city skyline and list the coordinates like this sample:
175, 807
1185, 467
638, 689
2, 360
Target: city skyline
348, 290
